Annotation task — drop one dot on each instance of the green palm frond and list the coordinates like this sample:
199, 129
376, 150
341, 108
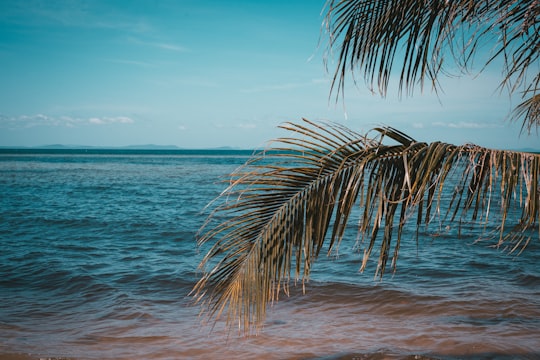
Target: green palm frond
287, 204
424, 38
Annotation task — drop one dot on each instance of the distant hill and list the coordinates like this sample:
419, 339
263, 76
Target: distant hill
133, 147
150, 147
226, 148
531, 150
160, 147
128, 147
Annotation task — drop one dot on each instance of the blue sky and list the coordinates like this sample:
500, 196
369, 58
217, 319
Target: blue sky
201, 73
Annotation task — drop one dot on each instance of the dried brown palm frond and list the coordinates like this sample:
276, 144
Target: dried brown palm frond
529, 110
287, 203
423, 38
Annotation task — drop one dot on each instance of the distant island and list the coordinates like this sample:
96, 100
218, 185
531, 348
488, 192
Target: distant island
127, 147
150, 147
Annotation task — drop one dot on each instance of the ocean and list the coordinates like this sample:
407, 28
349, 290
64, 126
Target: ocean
98, 256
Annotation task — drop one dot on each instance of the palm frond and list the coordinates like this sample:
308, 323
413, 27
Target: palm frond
518, 25
424, 38
529, 111
280, 208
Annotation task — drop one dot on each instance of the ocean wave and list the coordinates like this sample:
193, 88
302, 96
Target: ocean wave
98, 257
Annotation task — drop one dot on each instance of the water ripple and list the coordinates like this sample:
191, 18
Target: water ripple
98, 257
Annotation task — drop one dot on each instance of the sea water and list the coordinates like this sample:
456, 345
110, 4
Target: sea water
98, 256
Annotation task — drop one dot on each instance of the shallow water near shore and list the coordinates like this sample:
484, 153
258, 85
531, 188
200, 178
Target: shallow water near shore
98, 256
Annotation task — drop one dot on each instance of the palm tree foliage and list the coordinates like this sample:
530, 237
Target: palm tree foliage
285, 205
288, 204
420, 37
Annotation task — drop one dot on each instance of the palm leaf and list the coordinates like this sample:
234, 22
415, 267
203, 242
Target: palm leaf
422, 39
276, 216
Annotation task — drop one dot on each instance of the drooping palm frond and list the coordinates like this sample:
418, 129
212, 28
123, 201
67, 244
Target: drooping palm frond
420, 37
529, 110
287, 203
518, 25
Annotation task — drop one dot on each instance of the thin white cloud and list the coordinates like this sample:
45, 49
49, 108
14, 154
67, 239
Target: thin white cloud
30, 121
172, 47
122, 120
72, 14
110, 120
466, 125
320, 81
242, 125
96, 121
159, 45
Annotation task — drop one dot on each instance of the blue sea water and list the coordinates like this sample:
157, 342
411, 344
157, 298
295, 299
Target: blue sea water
98, 256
